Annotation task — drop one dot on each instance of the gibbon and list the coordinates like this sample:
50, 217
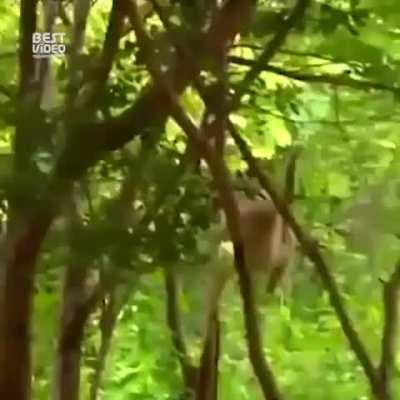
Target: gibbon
269, 248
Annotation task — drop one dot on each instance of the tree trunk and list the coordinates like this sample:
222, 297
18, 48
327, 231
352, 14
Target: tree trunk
15, 316
107, 323
79, 300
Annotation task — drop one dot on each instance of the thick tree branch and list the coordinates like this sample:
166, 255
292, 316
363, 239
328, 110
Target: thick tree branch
291, 176
262, 370
366, 120
311, 249
75, 311
77, 308
88, 142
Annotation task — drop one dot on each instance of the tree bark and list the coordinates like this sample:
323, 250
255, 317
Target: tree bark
79, 299
173, 317
15, 364
107, 323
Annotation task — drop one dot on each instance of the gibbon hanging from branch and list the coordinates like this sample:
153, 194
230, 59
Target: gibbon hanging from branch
269, 248
269, 244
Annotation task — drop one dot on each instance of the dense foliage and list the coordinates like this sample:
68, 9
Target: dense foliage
107, 212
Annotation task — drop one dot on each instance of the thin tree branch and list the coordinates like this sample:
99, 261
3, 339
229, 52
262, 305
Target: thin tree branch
17, 288
27, 28
63, 15
290, 52
121, 216
311, 249
391, 293
273, 47
260, 366
208, 377
110, 48
334, 80
365, 121
189, 371
213, 129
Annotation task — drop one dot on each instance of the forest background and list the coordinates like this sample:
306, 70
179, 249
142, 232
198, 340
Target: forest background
111, 158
